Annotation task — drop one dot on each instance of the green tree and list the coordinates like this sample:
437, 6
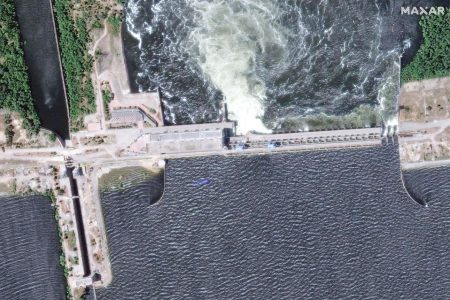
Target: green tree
77, 62
433, 57
15, 93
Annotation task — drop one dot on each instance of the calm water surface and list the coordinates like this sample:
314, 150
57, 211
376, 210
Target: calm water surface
41, 57
318, 225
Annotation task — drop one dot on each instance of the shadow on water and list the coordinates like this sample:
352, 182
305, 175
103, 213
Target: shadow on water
425, 184
79, 219
415, 195
42, 59
152, 183
157, 184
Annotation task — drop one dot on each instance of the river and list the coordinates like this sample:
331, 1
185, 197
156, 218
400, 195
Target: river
268, 60
313, 225
42, 59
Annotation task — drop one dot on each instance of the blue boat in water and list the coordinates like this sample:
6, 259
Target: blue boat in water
201, 182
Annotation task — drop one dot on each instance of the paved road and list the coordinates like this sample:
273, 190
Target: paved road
303, 141
414, 126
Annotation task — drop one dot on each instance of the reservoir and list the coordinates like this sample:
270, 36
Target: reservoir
29, 250
42, 59
311, 225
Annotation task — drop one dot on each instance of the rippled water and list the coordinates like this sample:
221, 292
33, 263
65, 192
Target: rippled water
315, 225
268, 59
29, 250
428, 184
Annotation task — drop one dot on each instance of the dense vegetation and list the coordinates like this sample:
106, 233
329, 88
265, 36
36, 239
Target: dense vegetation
77, 63
75, 21
115, 22
9, 129
15, 94
433, 58
107, 97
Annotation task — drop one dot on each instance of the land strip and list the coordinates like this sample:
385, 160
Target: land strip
424, 125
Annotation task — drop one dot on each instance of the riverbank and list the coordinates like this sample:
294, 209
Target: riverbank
116, 106
52, 180
15, 93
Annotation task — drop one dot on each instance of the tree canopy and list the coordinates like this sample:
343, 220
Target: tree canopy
15, 93
433, 57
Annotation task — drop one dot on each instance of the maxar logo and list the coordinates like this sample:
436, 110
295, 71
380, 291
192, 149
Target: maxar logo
419, 11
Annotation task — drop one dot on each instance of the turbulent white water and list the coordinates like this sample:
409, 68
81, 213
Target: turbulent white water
228, 37
388, 94
268, 60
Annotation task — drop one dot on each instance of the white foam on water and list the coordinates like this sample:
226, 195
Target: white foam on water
388, 93
406, 44
228, 37
133, 11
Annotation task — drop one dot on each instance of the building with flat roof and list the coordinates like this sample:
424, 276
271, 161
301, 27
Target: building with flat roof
132, 116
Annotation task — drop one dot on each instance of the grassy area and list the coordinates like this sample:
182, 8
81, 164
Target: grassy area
433, 58
77, 63
9, 130
15, 94
75, 22
107, 96
115, 22
71, 239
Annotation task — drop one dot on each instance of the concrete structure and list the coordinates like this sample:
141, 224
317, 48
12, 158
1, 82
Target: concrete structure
191, 141
184, 142
188, 139
309, 140
424, 125
124, 147
132, 116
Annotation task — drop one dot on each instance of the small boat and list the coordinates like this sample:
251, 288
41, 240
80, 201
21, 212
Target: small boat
201, 182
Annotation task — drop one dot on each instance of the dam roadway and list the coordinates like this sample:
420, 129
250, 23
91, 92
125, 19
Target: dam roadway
191, 141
